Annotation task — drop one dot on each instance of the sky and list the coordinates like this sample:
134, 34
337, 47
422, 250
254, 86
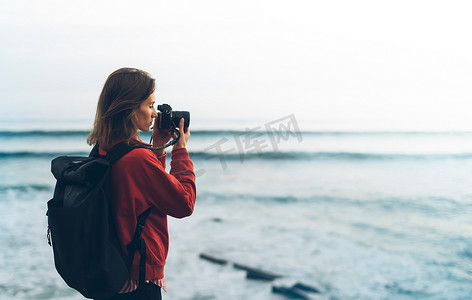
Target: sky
334, 65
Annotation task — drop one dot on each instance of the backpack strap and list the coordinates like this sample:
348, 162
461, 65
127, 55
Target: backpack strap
115, 153
138, 244
118, 151
94, 152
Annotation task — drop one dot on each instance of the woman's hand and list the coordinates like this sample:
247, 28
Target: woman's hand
160, 136
184, 136
162, 284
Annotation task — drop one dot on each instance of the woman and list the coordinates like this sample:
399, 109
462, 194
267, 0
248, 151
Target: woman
139, 179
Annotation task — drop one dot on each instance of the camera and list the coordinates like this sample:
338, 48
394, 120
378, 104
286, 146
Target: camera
170, 118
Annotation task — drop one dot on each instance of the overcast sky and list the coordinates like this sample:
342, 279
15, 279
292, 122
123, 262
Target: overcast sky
375, 65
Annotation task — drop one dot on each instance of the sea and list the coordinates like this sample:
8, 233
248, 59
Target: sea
355, 214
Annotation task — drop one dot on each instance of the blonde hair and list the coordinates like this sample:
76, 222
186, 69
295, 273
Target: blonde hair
122, 94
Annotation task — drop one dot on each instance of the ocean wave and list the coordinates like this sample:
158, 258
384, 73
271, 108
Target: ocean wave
274, 155
250, 196
277, 155
33, 154
43, 133
225, 132
25, 187
83, 133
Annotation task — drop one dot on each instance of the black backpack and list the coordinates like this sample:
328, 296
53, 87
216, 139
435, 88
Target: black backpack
87, 253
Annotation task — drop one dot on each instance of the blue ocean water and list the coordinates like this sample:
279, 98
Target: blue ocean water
360, 215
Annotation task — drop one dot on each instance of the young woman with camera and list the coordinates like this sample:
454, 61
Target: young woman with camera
139, 179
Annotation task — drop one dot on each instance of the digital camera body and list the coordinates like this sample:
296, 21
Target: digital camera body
170, 118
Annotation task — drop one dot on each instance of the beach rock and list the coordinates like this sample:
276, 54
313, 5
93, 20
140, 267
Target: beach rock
212, 259
306, 288
289, 292
258, 274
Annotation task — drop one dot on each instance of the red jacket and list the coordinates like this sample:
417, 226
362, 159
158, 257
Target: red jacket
139, 181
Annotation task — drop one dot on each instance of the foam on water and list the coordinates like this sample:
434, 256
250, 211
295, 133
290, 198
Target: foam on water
341, 213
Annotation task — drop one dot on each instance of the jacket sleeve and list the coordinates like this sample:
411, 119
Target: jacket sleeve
174, 194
